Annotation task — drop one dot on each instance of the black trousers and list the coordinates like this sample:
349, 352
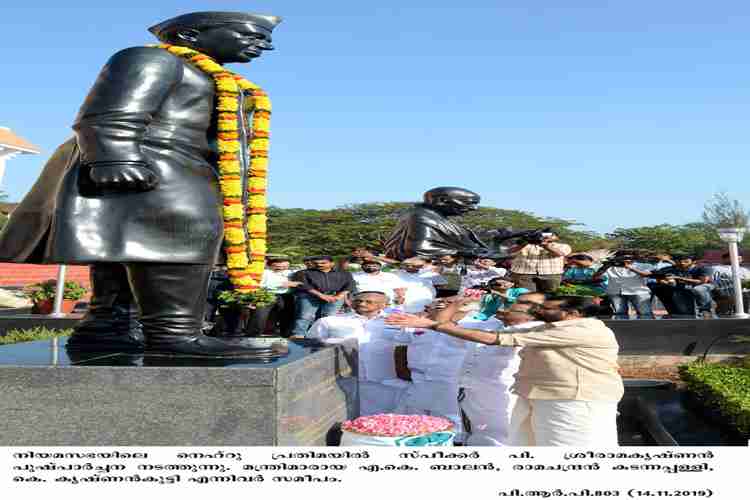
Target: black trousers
166, 299
275, 318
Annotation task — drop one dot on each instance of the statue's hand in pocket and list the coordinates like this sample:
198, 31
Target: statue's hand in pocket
123, 177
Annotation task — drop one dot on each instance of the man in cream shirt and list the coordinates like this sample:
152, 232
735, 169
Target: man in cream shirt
379, 388
567, 384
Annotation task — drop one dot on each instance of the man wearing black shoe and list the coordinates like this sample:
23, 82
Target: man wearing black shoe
136, 194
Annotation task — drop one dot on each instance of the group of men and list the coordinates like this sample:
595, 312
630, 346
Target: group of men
683, 287
536, 373
325, 287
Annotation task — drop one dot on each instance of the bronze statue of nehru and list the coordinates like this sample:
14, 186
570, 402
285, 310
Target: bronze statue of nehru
135, 193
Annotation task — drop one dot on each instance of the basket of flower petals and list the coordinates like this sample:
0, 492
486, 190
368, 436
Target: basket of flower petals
389, 429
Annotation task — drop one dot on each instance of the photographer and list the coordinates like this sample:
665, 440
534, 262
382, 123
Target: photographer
580, 271
502, 293
539, 261
626, 284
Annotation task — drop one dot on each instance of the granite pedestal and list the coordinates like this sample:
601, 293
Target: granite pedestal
49, 398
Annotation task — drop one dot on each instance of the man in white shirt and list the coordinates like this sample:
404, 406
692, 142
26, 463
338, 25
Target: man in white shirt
480, 273
379, 388
276, 318
722, 283
373, 279
418, 284
485, 380
627, 284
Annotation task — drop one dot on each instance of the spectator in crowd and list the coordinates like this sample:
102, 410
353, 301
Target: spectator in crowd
276, 319
684, 287
308, 262
373, 278
539, 267
501, 294
451, 271
662, 260
379, 388
486, 377
580, 271
368, 254
626, 286
419, 288
568, 384
480, 273
722, 279
322, 292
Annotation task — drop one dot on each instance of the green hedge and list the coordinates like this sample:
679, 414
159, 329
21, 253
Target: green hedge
723, 387
30, 334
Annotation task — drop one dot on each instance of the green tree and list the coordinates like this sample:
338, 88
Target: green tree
694, 238
722, 211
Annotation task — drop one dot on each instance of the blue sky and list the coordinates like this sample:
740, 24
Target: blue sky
611, 113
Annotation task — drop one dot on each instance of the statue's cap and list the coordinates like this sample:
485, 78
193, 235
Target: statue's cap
450, 191
197, 20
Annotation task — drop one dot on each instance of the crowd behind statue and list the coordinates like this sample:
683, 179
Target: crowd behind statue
506, 350
626, 285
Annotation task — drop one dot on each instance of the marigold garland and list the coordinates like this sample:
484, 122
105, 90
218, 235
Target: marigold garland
244, 226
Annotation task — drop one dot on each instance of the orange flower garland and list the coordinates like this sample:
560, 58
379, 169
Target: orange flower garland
244, 226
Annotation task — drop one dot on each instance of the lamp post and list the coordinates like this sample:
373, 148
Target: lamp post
733, 235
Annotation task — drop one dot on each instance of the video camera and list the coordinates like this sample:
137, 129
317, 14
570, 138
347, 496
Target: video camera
528, 237
617, 261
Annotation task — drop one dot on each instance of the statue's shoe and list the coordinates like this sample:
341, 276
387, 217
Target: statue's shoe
203, 345
97, 341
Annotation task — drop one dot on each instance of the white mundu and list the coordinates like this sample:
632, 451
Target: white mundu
486, 377
379, 388
434, 360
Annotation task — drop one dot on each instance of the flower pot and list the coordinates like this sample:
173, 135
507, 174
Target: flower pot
47, 306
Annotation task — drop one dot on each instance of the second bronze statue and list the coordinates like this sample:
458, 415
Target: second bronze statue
426, 231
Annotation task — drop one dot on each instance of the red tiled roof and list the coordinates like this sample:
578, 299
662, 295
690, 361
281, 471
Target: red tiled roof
11, 140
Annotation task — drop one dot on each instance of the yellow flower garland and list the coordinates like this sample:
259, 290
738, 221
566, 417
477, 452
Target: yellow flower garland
244, 226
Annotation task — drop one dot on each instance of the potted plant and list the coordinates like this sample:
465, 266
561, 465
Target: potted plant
43, 296
236, 309
590, 295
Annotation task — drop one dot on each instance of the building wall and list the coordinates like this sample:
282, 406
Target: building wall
28, 274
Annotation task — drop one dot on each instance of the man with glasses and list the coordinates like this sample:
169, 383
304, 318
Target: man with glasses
379, 387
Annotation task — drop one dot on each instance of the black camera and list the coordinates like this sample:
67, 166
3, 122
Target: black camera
615, 262
529, 237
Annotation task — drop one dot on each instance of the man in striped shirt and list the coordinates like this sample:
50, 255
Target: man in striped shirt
539, 267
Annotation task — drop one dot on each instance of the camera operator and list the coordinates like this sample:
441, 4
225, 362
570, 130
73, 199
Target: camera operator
684, 287
626, 284
539, 261
501, 294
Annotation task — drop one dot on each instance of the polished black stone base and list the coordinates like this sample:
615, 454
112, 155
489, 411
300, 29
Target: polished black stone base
55, 397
